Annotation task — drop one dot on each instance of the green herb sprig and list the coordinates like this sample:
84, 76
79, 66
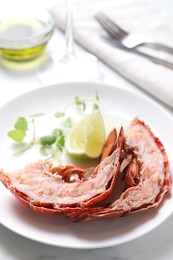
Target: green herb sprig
81, 103
20, 131
49, 144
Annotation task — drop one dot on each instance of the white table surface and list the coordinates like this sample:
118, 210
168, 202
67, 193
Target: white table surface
157, 244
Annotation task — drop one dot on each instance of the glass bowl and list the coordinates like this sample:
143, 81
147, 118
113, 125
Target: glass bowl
23, 36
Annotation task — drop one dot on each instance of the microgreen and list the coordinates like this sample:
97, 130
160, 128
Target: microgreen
59, 114
60, 142
80, 103
57, 137
46, 149
19, 131
49, 144
95, 106
17, 135
21, 124
37, 115
48, 140
67, 122
57, 132
97, 96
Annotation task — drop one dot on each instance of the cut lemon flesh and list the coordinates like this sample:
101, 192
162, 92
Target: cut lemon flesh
87, 137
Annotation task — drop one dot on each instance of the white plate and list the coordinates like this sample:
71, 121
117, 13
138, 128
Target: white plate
57, 230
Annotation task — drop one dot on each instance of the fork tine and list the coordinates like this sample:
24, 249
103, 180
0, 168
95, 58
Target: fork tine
110, 30
111, 24
114, 25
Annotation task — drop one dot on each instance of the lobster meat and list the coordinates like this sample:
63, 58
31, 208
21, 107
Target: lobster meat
147, 176
136, 155
61, 189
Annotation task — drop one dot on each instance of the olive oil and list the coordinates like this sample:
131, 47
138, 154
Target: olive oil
22, 40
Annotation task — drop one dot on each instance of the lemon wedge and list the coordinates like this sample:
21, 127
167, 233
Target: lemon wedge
87, 137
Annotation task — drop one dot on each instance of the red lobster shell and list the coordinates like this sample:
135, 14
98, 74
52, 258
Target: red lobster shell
153, 177
61, 189
137, 155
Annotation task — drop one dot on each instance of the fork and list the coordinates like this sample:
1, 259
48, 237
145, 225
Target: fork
129, 40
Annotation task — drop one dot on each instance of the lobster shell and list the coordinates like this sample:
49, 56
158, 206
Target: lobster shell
136, 155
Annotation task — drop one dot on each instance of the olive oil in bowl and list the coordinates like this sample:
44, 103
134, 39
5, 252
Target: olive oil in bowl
23, 39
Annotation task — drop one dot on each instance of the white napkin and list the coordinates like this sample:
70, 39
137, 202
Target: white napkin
135, 16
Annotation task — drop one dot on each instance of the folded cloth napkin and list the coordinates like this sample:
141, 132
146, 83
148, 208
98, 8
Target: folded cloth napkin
135, 16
